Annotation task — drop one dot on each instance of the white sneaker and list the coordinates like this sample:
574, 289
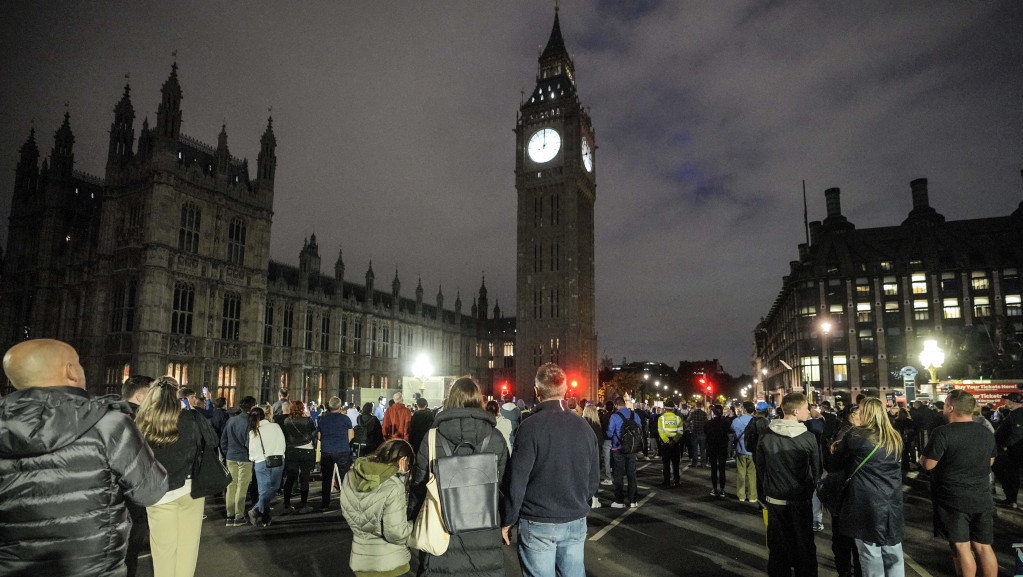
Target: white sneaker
607, 482
633, 505
617, 505
595, 503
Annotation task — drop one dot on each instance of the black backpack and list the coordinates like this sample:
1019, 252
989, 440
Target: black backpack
631, 435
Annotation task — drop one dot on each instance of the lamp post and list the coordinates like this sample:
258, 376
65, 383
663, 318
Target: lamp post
932, 358
422, 369
825, 360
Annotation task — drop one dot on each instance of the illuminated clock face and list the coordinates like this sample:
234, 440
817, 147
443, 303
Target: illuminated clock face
587, 155
544, 145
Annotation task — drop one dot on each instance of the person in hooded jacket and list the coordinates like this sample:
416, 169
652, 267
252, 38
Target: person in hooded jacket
871, 509
788, 465
69, 463
512, 412
374, 500
463, 420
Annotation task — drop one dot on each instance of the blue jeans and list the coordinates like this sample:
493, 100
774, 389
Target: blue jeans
549, 549
267, 480
698, 441
881, 560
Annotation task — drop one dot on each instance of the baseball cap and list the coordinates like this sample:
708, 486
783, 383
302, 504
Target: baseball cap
1014, 397
763, 406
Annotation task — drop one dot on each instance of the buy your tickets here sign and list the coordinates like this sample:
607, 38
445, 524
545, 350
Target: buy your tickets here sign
987, 391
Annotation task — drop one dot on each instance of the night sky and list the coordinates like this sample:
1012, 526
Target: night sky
394, 127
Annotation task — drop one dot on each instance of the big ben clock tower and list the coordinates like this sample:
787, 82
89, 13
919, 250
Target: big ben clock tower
555, 164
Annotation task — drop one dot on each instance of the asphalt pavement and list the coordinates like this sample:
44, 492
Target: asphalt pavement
677, 531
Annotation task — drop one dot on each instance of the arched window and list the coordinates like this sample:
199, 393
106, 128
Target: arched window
236, 242
188, 234
184, 306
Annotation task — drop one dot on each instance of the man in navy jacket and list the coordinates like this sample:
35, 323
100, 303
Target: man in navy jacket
553, 472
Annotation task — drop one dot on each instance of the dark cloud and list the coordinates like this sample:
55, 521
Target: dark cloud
394, 125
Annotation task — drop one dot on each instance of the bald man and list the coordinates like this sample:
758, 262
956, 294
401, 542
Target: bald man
69, 463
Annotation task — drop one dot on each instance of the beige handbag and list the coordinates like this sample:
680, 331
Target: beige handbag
428, 533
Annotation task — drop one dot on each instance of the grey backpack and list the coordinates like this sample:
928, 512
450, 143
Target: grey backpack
468, 486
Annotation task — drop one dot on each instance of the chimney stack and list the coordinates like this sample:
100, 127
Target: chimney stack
833, 198
919, 187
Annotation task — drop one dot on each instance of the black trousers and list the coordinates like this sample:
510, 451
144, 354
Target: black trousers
790, 540
717, 454
847, 559
138, 538
671, 456
1007, 469
296, 470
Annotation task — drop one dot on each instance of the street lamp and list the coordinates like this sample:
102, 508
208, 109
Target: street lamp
932, 358
825, 368
422, 369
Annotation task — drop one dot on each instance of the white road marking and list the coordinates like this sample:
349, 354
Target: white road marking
616, 522
916, 566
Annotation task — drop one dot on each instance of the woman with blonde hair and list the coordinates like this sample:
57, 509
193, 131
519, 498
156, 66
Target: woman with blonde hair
592, 417
870, 457
175, 521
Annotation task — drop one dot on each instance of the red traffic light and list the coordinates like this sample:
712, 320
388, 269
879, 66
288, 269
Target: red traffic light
702, 380
575, 384
504, 387
709, 388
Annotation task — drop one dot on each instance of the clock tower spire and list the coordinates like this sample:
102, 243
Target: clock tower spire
555, 181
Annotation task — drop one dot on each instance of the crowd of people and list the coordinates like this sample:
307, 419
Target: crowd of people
793, 461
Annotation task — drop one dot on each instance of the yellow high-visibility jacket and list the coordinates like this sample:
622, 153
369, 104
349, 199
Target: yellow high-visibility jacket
669, 427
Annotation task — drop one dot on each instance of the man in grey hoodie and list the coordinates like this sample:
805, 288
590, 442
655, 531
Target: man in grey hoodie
788, 466
513, 413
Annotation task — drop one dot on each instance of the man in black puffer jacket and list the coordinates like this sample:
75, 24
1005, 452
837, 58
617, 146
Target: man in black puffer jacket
788, 466
68, 464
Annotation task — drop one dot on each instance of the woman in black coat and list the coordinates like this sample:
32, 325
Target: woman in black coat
462, 420
871, 511
716, 430
368, 432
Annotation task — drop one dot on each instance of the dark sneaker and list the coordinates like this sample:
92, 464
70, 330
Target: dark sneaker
1007, 504
252, 518
305, 510
288, 510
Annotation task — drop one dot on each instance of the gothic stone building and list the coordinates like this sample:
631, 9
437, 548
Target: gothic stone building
858, 304
162, 267
556, 183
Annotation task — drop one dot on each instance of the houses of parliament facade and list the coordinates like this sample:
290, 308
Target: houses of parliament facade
162, 267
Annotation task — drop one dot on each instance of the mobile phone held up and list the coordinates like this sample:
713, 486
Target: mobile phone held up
184, 404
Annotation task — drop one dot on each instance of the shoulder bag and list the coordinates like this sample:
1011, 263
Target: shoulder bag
428, 532
209, 474
272, 461
831, 488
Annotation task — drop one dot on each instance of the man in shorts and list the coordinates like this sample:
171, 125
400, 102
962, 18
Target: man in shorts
960, 454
